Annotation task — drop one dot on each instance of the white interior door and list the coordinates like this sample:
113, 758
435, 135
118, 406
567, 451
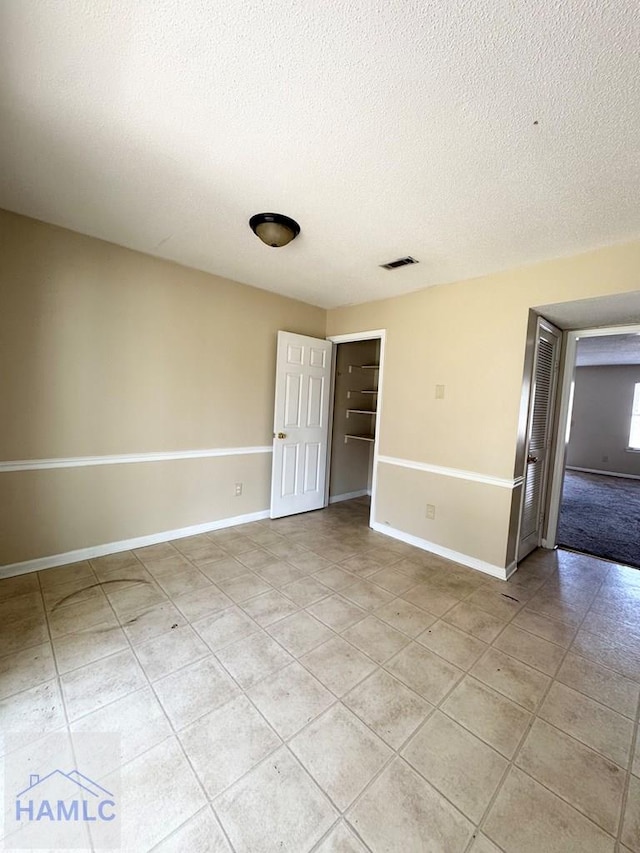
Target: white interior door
300, 424
539, 434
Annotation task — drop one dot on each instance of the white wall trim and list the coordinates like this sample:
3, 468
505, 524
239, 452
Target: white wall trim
126, 544
458, 473
511, 569
348, 496
604, 473
127, 458
370, 335
447, 553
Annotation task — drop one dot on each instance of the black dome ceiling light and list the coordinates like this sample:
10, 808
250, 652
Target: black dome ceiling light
274, 229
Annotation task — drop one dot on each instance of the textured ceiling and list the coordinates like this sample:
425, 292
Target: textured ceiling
385, 128
620, 309
608, 349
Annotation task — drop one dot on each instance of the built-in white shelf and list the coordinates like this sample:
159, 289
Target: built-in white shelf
363, 367
360, 412
361, 391
356, 410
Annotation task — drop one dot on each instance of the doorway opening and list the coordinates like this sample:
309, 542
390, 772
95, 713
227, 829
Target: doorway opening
354, 417
590, 495
602, 316
599, 502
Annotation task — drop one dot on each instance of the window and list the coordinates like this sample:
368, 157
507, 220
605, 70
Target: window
634, 432
570, 410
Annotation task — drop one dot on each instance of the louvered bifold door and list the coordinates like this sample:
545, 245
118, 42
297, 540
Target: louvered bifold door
539, 432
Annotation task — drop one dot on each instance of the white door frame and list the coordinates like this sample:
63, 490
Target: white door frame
568, 368
370, 335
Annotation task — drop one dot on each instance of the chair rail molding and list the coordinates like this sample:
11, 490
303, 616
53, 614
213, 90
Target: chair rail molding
127, 458
457, 473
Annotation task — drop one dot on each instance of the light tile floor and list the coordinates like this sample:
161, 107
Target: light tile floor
308, 684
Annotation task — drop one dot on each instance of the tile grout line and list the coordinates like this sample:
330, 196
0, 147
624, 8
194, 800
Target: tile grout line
318, 845
244, 692
627, 785
63, 699
211, 652
381, 666
174, 736
285, 743
264, 629
338, 700
205, 808
397, 753
131, 647
237, 605
525, 735
435, 707
366, 613
446, 696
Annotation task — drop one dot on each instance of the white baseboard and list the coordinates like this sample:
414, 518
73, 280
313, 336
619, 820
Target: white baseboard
455, 556
348, 496
126, 545
604, 473
511, 569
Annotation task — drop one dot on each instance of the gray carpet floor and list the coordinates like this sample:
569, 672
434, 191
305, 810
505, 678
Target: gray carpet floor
600, 515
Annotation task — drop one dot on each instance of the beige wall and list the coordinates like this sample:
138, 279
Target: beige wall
108, 351
60, 510
602, 403
464, 509
469, 336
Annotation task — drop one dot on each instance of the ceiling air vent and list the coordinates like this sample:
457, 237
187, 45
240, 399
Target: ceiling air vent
400, 262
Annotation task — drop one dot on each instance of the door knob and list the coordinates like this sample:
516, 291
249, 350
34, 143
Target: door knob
531, 459
281, 435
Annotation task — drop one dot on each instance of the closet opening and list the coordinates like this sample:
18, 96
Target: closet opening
355, 416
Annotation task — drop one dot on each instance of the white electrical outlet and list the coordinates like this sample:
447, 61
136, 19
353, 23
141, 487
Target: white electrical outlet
431, 511
439, 392
238, 489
